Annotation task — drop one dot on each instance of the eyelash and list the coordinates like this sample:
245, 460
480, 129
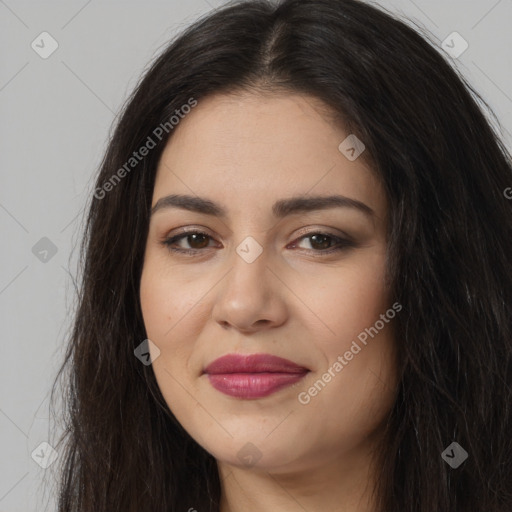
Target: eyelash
342, 243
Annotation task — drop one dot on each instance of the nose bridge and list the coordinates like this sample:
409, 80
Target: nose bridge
249, 292
249, 267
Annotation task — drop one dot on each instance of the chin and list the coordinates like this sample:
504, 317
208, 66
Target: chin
255, 452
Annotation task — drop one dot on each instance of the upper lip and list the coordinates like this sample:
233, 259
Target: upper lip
252, 363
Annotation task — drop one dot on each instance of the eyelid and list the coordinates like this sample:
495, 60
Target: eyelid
326, 231
302, 231
188, 230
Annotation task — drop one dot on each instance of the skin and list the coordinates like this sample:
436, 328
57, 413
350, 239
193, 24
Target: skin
245, 152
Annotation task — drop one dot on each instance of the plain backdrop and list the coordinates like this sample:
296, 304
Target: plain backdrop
56, 113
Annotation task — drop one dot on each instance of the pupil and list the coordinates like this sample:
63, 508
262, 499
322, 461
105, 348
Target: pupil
195, 237
325, 245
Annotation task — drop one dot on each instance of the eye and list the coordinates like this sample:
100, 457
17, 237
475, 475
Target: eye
325, 243
321, 243
197, 240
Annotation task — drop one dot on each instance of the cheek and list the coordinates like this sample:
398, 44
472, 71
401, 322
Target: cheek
164, 310
347, 301
167, 300
174, 311
351, 309
161, 314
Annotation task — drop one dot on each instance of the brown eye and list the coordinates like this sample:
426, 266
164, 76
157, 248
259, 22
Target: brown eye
195, 239
325, 243
320, 243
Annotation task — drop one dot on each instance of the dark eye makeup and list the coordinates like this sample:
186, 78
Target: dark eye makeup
317, 238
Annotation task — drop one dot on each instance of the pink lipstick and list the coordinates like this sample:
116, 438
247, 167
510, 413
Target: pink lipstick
254, 375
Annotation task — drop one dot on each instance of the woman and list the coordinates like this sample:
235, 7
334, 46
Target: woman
296, 284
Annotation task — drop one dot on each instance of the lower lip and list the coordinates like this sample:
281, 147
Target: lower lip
253, 385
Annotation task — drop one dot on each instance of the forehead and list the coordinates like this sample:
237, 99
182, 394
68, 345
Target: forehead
252, 149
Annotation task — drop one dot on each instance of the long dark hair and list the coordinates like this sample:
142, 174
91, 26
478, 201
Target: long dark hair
444, 169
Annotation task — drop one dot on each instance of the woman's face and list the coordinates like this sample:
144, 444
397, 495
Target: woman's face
297, 281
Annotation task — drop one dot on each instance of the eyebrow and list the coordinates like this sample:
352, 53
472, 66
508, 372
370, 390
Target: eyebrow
280, 209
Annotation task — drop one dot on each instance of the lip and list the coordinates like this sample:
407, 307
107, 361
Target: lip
253, 375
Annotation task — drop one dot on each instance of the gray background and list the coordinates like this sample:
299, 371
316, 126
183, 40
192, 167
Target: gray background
56, 114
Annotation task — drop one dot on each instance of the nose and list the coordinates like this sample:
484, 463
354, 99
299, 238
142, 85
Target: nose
251, 297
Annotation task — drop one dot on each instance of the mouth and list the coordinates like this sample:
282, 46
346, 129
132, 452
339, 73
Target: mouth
253, 376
